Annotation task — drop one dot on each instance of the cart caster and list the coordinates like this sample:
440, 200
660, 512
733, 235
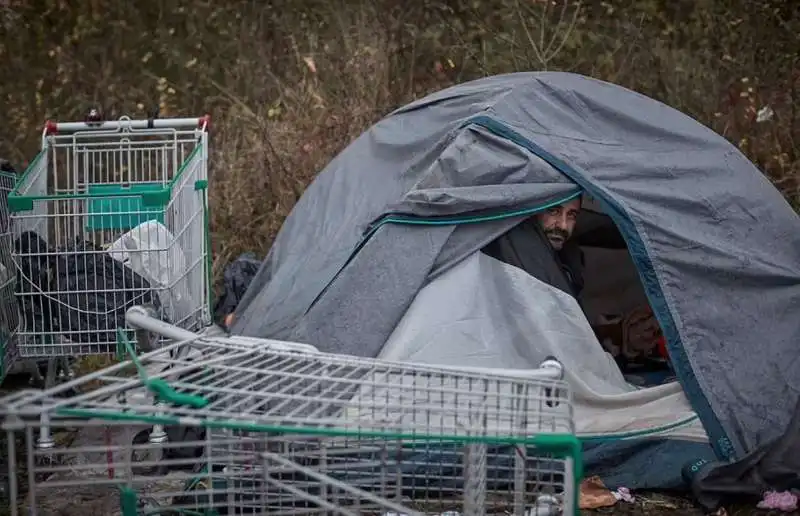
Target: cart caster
150, 454
157, 435
45, 443
553, 364
546, 505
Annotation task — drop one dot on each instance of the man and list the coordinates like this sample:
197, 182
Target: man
558, 224
542, 246
637, 337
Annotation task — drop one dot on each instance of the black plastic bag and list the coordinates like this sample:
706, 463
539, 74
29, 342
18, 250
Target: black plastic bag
34, 269
88, 291
237, 276
95, 291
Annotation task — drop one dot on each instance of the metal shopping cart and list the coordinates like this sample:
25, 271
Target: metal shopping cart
8, 305
234, 425
110, 214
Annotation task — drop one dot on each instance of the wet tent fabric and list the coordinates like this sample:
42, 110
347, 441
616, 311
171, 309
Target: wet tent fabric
716, 247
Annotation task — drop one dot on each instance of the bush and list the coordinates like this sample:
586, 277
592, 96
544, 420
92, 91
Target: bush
289, 84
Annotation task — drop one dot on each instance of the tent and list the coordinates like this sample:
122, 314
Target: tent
383, 257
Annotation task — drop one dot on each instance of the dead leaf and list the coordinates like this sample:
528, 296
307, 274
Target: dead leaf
594, 494
310, 64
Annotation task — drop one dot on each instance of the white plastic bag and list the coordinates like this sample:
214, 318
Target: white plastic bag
150, 250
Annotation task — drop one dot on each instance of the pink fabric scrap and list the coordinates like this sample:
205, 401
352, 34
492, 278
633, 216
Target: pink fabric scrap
624, 494
783, 501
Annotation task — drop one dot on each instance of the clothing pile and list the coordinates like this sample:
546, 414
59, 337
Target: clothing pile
636, 342
78, 290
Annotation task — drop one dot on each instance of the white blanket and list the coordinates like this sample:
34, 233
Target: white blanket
505, 318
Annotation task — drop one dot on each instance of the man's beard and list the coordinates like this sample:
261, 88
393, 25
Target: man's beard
557, 237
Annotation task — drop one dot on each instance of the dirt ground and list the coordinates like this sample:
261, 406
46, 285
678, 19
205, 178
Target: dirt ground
649, 504
104, 500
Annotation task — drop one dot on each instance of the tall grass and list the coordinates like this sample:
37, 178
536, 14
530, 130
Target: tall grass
289, 84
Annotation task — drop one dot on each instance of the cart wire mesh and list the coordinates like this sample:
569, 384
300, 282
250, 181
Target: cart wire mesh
9, 314
249, 426
105, 218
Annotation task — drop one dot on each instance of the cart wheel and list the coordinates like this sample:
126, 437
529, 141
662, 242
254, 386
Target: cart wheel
152, 454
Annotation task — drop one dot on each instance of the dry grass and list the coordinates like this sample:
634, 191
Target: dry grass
289, 87
289, 84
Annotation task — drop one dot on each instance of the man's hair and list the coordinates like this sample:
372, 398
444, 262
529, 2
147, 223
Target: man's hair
580, 199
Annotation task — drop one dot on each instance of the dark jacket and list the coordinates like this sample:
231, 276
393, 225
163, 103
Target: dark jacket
525, 246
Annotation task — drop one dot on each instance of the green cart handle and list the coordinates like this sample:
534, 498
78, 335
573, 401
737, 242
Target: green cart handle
158, 386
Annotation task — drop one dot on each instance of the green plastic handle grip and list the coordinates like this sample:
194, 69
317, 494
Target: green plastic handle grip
166, 393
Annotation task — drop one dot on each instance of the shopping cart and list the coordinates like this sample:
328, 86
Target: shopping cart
110, 214
8, 304
234, 425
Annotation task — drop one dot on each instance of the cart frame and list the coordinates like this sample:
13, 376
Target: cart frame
113, 184
173, 387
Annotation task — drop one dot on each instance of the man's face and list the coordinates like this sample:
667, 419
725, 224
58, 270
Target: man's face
559, 221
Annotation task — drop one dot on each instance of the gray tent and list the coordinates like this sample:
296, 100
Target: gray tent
381, 258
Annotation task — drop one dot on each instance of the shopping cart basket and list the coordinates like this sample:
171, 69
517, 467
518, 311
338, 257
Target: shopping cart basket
234, 425
110, 214
8, 304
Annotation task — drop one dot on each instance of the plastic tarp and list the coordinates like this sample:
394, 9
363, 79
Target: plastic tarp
511, 320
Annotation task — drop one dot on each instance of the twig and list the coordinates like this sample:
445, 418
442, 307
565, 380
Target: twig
630, 46
564, 6
528, 35
568, 32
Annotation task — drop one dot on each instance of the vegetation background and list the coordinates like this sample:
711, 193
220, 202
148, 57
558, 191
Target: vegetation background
289, 83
